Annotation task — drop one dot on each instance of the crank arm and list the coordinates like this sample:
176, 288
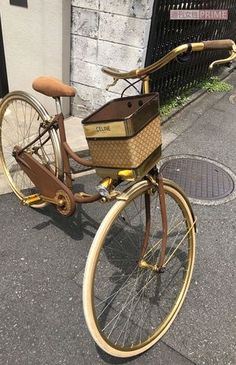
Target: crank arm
58, 202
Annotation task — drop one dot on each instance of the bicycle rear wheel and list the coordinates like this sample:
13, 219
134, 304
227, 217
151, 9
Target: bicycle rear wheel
21, 118
127, 307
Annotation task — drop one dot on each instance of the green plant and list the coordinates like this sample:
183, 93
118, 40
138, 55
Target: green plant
172, 104
214, 84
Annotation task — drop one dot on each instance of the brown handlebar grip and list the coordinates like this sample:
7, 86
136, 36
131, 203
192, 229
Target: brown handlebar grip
218, 44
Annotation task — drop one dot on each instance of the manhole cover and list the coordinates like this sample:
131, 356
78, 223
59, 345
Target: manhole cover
204, 181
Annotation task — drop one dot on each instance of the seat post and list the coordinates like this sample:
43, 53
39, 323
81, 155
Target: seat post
58, 104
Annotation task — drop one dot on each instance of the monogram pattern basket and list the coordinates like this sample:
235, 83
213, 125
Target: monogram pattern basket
125, 134
129, 153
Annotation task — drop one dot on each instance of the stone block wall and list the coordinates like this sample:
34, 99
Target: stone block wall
106, 33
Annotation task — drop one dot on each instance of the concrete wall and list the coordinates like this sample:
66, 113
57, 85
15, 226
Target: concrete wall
37, 42
106, 33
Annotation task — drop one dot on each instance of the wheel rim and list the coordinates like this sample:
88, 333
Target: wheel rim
20, 119
129, 312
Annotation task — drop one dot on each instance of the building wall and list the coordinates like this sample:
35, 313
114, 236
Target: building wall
105, 33
37, 42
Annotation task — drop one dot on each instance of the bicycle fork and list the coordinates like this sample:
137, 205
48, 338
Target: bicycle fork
161, 195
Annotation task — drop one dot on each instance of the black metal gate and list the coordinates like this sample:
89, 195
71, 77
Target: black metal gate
166, 34
3, 72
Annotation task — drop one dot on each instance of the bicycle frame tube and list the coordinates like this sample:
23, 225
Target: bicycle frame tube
65, 157
66, 151
146, 85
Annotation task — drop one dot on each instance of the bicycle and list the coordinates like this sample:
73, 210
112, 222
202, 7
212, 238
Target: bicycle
140, 263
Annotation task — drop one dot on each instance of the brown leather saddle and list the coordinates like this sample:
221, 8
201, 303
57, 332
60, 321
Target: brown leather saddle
51, 86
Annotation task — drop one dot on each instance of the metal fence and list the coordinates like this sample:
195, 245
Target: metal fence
166, 34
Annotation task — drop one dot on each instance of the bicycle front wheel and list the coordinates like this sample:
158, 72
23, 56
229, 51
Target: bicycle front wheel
129, 307
22, 117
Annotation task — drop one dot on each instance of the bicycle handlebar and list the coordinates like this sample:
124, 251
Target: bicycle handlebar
227, 44
219, 44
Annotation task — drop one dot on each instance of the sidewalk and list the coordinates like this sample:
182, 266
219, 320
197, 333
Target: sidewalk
42, 258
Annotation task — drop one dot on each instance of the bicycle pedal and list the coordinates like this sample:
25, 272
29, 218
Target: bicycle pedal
31, 199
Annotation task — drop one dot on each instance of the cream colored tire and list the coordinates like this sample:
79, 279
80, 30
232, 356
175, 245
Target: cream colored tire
122, 302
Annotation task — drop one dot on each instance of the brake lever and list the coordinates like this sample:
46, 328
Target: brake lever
112, 84
225, 60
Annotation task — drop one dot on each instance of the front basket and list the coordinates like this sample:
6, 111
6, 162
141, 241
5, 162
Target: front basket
125, 134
